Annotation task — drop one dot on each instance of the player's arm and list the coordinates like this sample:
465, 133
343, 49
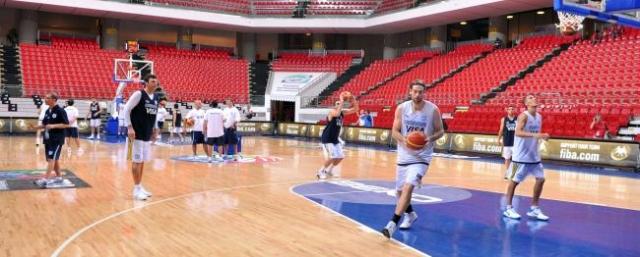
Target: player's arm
237, 114
354, 109
131, 103
500, 131
396, 131
438, 129
204, 125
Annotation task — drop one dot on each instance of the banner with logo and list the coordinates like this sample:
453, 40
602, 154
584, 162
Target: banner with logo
21, 125
255, 128
367, 135
595, 152
581, 151
292, 129
286, 85
315, 131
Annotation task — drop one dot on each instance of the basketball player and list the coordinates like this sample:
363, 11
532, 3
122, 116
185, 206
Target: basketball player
330, 137
197, 137
414, 115
177, 123
506, 134
160, 117
526, 159
232, 117
122, 131
95, 112
214, 120
72, 130
140, 114
54, 124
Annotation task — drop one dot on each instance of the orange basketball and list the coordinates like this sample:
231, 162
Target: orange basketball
188, 122
416, 140
346, 96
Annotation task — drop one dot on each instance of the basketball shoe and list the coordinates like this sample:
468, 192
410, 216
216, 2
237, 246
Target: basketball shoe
388, 230
408, 220
536, 213
511, 213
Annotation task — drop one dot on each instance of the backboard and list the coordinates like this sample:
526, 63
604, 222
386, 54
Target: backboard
620, 12
129, 70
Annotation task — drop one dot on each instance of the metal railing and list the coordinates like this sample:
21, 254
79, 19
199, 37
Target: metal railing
321, 52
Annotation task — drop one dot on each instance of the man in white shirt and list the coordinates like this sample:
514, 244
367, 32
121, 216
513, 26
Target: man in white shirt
72, 130
214, 126
232, 117
160, 117
197, 118
122, 131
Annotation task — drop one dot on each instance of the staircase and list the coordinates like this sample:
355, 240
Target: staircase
340, 81
259, 79
521, 74
10, 76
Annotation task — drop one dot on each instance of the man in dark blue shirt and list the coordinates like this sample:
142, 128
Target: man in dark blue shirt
54, 124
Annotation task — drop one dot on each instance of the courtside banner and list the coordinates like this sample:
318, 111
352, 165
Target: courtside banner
595, 152
582, 151
255, 128
367, 135
315, 131
293, 129
21, 125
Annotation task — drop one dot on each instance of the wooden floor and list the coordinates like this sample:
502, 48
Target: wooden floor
230, 210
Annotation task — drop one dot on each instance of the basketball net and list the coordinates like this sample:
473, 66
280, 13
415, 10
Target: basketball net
569, 20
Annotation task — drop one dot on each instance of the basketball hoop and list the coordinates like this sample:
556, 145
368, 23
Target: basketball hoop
569, 23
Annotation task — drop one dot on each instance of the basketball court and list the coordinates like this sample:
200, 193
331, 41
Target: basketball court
279, 208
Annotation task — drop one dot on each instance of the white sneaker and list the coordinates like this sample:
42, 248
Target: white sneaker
322, 174
90, 137
42, 182
139, 195
388, 230
144, 191
98, 137
210, 159
58, 180
511, 213
408, 220
536, 213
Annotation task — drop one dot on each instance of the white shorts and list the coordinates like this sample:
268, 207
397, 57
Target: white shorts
94, 123
410, 174
121, 123
333, 151
517, 172
507, 151
138, 151
177, 129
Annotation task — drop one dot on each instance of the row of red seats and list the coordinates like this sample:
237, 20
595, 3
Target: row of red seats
303, 62
241, 7
392, 5
378, 72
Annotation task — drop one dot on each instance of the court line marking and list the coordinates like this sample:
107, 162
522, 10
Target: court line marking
78, 233
362, 226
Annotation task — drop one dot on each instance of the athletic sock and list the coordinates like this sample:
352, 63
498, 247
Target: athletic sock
395, 218
409, 209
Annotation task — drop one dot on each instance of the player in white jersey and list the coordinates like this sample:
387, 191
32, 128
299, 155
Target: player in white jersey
197, 117
526, 159
72, 130
414, 115
161, 115
214, 120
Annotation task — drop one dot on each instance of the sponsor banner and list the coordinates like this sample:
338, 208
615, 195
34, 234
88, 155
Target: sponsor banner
255, 128
581, 151
610, 153
21, 125
315, 131
475, 143
367, 135
293, 129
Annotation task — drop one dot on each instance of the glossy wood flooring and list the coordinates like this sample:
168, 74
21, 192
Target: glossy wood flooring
234, 209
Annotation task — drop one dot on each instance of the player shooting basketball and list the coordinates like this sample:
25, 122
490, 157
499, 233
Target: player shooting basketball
331, 133
419, 119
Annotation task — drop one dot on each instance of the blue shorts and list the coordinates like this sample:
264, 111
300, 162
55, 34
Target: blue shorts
52, 151
71, 132
197, 137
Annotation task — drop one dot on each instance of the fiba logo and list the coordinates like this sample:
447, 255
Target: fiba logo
21, 124
265, 127
82, 125
384, 135
1, 124
459, 141
620, 153
351, 132
303, 130
442, 141
543, 147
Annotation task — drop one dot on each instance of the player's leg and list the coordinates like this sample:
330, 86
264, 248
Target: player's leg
414, 175
535, 211
506, 154
194, 145
138, 157
328, 152
515, 173
403, 192
338, 156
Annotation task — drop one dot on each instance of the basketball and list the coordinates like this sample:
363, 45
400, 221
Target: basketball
567, 30
188, 122
416, 140
346, 96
